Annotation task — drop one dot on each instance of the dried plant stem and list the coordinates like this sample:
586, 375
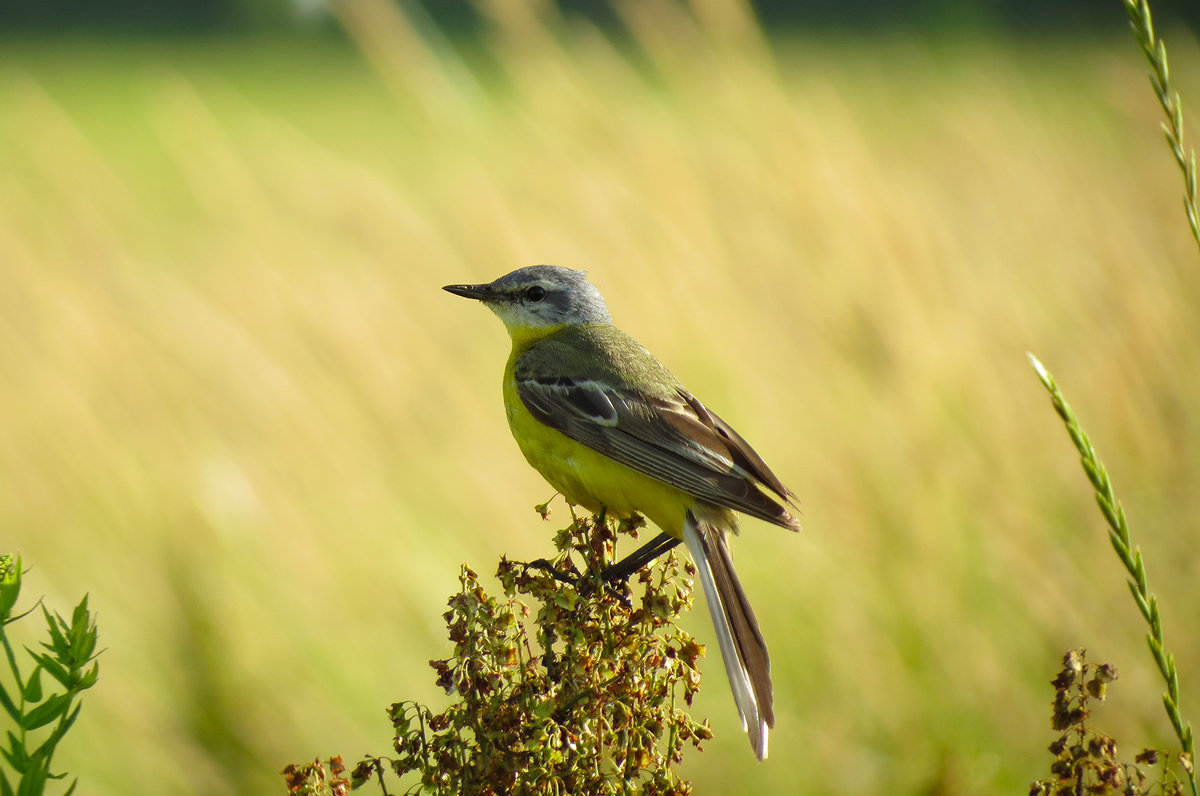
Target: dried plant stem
1156, 54
1131, 558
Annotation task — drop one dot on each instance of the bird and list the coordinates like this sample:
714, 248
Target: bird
612, 430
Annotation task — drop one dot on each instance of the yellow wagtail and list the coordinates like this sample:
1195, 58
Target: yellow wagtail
612, 430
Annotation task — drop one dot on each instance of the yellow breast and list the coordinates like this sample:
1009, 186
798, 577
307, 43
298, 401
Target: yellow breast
588, 478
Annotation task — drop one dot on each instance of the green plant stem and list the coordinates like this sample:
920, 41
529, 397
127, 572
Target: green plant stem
1131, 558
1156, 53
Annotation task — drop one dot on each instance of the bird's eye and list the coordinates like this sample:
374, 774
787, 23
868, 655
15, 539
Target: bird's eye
535, 293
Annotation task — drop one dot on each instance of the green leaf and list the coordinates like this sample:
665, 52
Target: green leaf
33, 687
34, 781
82, 633
48, 711
89, 679
58, 642
47, 747
80, 615
56, 669
12, 659
15, 754
9, 706
70, 720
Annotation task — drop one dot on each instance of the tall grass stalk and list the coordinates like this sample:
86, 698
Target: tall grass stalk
1131, 558
1156, 54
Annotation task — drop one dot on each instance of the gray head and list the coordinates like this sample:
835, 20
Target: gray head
540, 297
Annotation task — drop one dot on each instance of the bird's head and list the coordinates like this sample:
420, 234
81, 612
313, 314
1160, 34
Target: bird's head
539, 297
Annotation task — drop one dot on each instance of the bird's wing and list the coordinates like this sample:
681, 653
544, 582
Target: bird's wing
673, 438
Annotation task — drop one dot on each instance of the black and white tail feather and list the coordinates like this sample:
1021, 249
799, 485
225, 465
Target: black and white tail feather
742, 646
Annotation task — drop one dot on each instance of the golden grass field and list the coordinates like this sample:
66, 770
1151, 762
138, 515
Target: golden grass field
237, 410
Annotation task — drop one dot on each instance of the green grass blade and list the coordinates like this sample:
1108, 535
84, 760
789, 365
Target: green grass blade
1160, 79
1131, 558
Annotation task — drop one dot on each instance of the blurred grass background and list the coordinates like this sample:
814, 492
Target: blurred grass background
236, 408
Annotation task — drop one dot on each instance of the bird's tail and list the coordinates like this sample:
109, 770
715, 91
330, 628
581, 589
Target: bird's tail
741, 642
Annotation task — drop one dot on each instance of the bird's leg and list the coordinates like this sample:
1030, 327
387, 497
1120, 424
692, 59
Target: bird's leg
639, 558
621, 570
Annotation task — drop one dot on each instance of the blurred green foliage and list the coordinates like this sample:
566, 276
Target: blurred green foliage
237, 406
466, 16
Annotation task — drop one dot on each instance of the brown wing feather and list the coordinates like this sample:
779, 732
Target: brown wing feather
679, 442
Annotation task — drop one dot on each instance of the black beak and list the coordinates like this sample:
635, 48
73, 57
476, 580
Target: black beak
478, 292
